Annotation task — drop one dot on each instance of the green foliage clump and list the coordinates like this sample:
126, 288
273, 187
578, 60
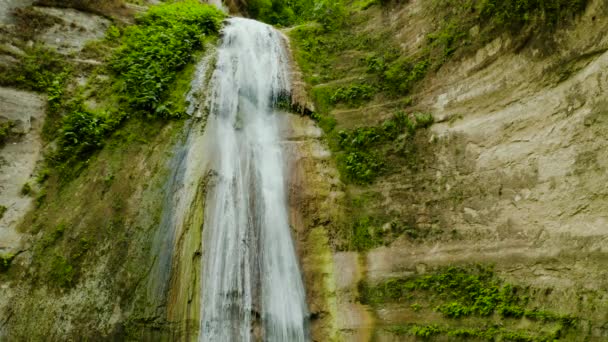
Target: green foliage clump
83, 131
26, 189
493, 333
362, 167
459, 292
331, 14
424, 120
275, 12
3, 210
513, 14
326, 122
359, 160
463, 292
425, 331
364, 236
6, 131
55, 235
5, 261
353, 94
62, 272
156, 49
400, 76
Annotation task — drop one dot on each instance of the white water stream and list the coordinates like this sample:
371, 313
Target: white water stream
251, 283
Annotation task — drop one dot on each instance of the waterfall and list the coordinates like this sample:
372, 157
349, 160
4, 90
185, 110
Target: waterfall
251, 283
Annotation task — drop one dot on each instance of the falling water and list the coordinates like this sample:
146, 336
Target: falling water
252, 287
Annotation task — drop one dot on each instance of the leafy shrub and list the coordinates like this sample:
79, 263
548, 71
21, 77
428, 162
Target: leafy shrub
154, 51
425, 331
362, 167
330, 13
424, 120
82, 132
113, 33
275, 12
401, 75
360, 164
3, 210
354, 94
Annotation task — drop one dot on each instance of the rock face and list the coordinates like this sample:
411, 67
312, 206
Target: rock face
18, 159
6, 6
519, 149
71, 29
315, 196
512, 174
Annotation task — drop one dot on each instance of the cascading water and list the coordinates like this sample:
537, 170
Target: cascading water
251, 284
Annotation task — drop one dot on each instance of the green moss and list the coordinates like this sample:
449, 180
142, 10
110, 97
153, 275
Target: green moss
365, 235
3, 210
61, 272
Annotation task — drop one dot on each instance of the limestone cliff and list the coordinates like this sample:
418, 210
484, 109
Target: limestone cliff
511, 175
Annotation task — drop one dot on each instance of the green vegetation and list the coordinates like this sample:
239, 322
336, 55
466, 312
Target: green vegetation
38, 70
458, 292
83, 132
492, 333
51, 238
365, 235
6, 131
3, 210
125, 103
144, 79
155, 50
331, 14
353, 95
382, 69
5, 261
513, 14
26, 189
359, 158
61, 272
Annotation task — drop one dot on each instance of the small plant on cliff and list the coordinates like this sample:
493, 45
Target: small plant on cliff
6, 131
62, 272
26, 189
354, 94
5, 261
82, 132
